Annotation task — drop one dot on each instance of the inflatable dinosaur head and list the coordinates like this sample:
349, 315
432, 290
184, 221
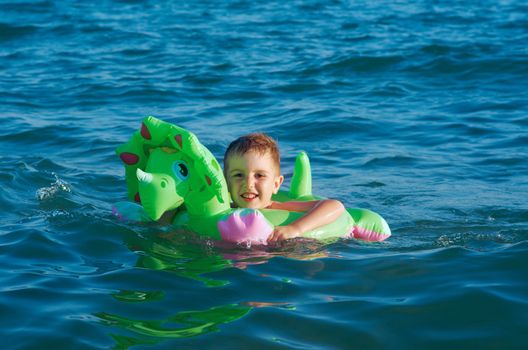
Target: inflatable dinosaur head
166, 166
165, 182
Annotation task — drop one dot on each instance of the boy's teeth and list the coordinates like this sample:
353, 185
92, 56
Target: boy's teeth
249, 195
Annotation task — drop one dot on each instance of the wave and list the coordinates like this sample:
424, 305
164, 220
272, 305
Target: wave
11, 32
351, 64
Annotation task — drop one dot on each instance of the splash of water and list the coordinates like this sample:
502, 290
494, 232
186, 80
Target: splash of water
56, 187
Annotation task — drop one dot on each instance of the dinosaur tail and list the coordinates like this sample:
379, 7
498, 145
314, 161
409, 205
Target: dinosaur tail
301, 183
369, 226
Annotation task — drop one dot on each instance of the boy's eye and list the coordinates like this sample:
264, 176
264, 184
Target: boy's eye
236, 175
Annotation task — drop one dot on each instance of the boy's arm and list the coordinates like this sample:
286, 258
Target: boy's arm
318, 213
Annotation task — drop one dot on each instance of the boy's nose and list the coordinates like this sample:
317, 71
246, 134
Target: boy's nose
250, 182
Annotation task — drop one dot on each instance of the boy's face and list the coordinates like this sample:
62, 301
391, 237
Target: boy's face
252, 178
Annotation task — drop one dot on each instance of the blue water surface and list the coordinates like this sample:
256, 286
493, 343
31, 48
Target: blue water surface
417, 110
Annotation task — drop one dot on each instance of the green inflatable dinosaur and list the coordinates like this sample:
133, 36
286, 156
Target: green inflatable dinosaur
168, 168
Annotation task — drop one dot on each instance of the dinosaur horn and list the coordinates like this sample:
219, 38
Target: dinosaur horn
144, 176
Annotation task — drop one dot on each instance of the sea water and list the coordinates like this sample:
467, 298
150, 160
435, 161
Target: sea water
414, 109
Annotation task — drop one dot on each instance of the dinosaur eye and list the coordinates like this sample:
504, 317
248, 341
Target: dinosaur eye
180, 170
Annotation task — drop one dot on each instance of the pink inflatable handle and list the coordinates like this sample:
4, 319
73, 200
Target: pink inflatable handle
245, 226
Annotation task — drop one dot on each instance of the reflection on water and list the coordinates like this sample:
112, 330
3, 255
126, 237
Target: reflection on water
192, 323
175, 254
193, 258
260, 304
136, 296
189, 256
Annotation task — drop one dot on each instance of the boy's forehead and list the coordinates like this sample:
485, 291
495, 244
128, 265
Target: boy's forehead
251, 158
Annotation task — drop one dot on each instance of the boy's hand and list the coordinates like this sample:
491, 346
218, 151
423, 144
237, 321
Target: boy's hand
284, 232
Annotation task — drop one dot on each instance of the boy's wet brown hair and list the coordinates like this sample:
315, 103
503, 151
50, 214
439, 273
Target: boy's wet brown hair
255, 142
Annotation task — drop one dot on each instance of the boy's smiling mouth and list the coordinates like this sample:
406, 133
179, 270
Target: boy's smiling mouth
247, 196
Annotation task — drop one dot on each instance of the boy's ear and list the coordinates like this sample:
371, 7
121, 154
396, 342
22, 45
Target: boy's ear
277, 184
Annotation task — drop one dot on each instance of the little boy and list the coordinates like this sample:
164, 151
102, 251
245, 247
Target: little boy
252, 171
